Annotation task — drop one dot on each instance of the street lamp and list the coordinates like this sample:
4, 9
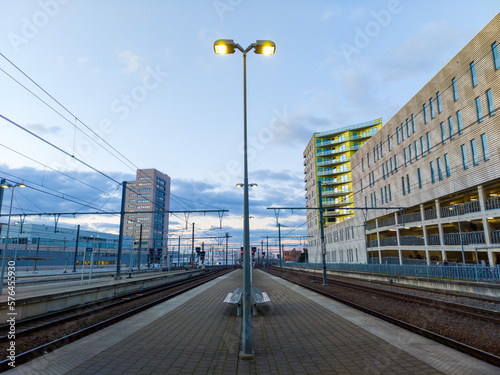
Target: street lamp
263, 47
6, 186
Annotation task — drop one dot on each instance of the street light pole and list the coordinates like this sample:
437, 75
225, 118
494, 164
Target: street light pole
224, 46
4, 256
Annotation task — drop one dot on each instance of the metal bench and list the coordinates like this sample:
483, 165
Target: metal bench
258, 297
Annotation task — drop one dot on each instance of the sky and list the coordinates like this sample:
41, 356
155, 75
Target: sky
92, 90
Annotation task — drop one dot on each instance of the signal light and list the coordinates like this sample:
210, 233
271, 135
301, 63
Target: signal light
242, 250
263, 254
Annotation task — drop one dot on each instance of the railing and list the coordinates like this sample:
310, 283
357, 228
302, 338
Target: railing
332, 171
460, 209
328, 142
495, 236
335, 182
433, 239
372, 225
320, 152
387, 221
333, 192
389, 241
492, 203
415, 216
456, 272
467, 238
412, 240
373, 243
430, 214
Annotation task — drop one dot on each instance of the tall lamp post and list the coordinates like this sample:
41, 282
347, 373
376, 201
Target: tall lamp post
6, 186
456, 208
262, 47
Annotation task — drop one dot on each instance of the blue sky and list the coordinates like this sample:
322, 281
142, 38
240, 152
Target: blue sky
144, 77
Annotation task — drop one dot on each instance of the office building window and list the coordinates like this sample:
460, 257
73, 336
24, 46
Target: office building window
428, 142
383, 171
405, 156
408, 183
362, 164
410, 156
431, 106
491, 107
433, 178
426, 120
419, 175
382, 196
438, 99
397, 135
403, 185
478, 110
361, 184
413, 123
392, 170
475, 160
390, 195
443, 135
387, 167
402, 132
450, 128
381, 150
385, 190
375, 198
389, 142
368, 159
473, 74
464, 157
486, 155
407, 128
459, 123
396, 163
422, 146
440, 172
496, 59
447, 165
416, 150
455, 91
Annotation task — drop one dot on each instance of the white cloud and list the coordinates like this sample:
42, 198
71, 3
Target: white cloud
131, 61
83, 60
333, 11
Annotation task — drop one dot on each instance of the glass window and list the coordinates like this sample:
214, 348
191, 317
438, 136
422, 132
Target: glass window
407, 128
381, 150
473, 74
389, 142
428, 142
464, 157
403, 185
447, 165
410, 156
385, 190
478, 109
396, 163
440, 172
438, 99
368, 159
390, 195
422, 146
426, 120
419, 178
431, 106
416, 150
443, 135
475, 159
382, 196
397, 135
363, 164
491, 107
361, 184
496, 59
387, 167
406, 157
375, 198
408, 183
450, 128
402, 132
455, 91
486, 155
459, 123
383, 171
413, 123
392, 170
433, 178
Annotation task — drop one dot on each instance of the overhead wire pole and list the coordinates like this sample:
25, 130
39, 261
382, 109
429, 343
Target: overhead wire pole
120, 236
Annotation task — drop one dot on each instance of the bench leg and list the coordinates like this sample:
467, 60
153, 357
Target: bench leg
238, 312
254, 309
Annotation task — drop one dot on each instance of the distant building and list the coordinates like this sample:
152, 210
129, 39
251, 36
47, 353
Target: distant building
327, 158
291, 255
436, 160
146, 205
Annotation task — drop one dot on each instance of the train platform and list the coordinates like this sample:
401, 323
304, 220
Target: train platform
298, 332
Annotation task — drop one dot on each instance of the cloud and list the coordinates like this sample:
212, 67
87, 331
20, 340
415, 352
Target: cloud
83, 60
44, 129
131, 61
333, 11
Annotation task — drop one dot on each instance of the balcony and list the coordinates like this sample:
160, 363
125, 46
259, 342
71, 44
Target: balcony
332, 172
460, 209
334, 193
328, 142
332, 182
467, 238
331, 152
330, 162
338, 213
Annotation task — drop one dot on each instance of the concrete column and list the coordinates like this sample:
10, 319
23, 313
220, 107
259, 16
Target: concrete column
424, 232
486, 224
440, 227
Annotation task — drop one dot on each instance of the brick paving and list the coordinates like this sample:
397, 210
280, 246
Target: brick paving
298, 332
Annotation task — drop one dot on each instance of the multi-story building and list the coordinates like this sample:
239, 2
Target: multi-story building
147, 203
327, 158
433, 191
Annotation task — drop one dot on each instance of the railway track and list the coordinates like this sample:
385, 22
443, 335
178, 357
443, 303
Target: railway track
33, 327
485, 315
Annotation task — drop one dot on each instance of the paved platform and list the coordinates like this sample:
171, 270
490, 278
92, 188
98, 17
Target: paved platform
298, 332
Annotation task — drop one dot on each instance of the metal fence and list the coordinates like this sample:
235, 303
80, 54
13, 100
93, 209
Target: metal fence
455, 272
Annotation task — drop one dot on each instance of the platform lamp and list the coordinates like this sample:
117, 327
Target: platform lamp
6, 186
262, 47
